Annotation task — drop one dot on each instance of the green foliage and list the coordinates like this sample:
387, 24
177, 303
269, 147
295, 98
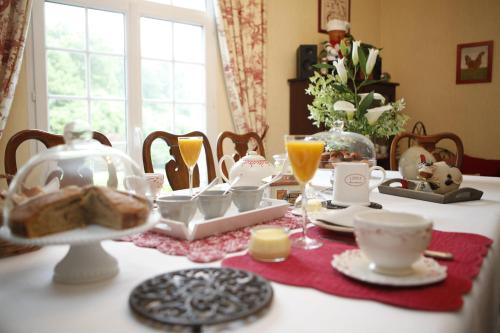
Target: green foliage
328, 89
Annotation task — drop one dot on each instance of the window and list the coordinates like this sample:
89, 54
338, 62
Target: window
128, 67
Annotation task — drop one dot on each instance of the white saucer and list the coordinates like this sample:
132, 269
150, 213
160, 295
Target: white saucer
354, 264
332, 227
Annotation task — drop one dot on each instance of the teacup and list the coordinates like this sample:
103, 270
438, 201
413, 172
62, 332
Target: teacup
351, 183
214, 204
247, 197
155, 181
392, 241
177, 207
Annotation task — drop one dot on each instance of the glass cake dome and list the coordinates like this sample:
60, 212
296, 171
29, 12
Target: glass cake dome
75, 185
341, 146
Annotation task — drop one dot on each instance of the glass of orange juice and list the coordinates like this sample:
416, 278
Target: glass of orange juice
190, 147
304, 153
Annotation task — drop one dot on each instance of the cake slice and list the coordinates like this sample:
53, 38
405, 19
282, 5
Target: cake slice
48, 214
114, 209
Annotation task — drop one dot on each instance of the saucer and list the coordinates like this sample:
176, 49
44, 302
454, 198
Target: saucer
354, 264
332, 227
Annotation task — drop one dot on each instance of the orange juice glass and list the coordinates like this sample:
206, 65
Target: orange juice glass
190, 147
304, 154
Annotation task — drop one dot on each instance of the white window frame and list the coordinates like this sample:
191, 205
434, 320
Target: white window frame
133, 10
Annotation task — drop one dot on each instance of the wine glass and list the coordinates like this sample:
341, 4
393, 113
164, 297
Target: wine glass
190, 147
304, 153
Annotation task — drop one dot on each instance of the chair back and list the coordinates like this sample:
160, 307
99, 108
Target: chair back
176, 170
48, 139
418, 129
241, 145
428, 142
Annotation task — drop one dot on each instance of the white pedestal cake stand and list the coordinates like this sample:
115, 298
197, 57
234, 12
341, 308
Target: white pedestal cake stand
86, 260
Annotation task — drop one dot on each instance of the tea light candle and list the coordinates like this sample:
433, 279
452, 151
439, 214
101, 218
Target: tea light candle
269, 243
313, 205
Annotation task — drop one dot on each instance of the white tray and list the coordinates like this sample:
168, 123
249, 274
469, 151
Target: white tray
199, 227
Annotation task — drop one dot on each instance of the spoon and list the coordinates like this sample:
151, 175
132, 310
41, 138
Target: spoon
275, 178
209, 186
235, 180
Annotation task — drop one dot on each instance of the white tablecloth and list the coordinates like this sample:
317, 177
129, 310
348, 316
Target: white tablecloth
30, 302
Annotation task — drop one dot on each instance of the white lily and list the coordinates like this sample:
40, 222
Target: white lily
355, 56
376, 96
341, 71
372, 59
373, 114
345, 106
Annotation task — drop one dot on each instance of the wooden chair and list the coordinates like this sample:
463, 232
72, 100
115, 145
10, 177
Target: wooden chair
241, 145
49, 140
177, 172
418, 129
428, 142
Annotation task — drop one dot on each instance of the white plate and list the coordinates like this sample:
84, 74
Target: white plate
89, 234
354, 264
332, 227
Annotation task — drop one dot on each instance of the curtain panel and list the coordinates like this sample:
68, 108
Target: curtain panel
14, 21
242, 32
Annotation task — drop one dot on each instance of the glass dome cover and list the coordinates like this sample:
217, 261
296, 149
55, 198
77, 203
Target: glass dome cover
74, 185
341, 146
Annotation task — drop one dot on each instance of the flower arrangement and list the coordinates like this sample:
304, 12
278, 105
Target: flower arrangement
336, 95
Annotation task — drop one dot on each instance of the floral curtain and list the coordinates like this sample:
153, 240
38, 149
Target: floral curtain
242, 30
14, 20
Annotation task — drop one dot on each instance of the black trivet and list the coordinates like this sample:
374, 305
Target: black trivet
331, 205
201, 296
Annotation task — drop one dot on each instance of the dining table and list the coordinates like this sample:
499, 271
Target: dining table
30, 301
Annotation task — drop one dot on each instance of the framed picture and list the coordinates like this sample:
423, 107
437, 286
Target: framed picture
474, 62
332, 9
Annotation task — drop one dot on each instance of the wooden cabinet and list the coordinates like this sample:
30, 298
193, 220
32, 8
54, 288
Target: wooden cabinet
301, 124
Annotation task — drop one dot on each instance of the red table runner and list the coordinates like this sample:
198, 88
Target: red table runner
313, 269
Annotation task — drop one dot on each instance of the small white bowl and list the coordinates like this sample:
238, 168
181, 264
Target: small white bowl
177, 207
247, 197
392, 241
214, 204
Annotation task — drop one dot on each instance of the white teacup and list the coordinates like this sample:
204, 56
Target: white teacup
392, 241
351, 183
155, 181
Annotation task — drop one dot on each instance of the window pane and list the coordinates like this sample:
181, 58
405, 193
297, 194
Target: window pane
107, 76
63, 111
66, 73
105, 31
64, 26
190, 117
156, 39
189, 83
109, 118
160, 155
191, 4
188, 43
156, 80
157, 117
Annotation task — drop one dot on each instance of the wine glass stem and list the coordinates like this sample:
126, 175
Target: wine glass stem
191, 180
304, 210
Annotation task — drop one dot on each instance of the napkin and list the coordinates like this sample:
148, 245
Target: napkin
342, 217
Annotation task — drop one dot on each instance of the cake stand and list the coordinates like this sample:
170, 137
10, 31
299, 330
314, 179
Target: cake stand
86, 260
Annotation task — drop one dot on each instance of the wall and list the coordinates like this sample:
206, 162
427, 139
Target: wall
420, 41
295, 22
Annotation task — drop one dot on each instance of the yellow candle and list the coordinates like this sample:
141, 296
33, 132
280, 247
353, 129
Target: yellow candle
269, 243
190, 148
304, 157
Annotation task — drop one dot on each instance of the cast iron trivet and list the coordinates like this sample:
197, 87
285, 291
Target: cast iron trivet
330, 205
201, 296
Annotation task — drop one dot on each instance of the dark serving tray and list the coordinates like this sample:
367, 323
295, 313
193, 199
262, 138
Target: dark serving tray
459, 195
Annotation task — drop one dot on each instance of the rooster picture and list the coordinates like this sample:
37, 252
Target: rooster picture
476, 63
